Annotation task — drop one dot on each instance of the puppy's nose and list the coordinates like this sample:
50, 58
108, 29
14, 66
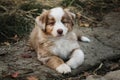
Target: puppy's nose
59, 31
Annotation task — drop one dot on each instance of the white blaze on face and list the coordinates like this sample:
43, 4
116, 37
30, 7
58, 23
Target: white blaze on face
57, 14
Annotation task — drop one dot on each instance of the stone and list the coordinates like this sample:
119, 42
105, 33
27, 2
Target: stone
113, 75
95, 77
105, 42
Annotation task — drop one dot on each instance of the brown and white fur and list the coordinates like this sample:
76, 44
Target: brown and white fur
54, 41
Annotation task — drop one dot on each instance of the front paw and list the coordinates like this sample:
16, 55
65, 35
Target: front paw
63, 68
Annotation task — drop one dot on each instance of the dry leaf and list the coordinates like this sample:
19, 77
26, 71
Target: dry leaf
6, 43
86, 25
114, 66
81, 24
26, 56
16, 38
86, 74
79, 15
32, 78
15, 74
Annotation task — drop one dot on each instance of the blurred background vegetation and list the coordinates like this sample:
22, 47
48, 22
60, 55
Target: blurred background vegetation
17, 16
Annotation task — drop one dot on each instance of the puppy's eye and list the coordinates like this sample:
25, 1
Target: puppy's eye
64, 22
51, 23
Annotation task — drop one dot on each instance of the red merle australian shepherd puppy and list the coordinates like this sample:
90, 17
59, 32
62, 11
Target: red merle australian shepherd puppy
54, 41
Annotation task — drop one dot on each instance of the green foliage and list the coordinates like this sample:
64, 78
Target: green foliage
68, 2
31, 5
95, 8
14, 24
93, 5
17, 17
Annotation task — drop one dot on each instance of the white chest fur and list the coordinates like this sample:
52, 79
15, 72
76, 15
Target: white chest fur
64, 46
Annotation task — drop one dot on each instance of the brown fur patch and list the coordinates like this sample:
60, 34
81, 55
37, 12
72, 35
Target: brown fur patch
67, 21
44, 17
42, 20
54, 62
39, 42
49, 25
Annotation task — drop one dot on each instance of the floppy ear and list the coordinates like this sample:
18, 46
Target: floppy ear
72, 15
41, 20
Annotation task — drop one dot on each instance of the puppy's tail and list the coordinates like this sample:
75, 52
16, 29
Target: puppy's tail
84, 39
80, 37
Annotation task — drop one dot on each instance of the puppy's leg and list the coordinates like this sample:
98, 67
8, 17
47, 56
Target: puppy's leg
58, 64
52, 61
76, 59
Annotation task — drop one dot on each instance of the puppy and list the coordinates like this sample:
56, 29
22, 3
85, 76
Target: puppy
54, 41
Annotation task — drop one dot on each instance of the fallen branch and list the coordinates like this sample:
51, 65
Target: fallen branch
4, 8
